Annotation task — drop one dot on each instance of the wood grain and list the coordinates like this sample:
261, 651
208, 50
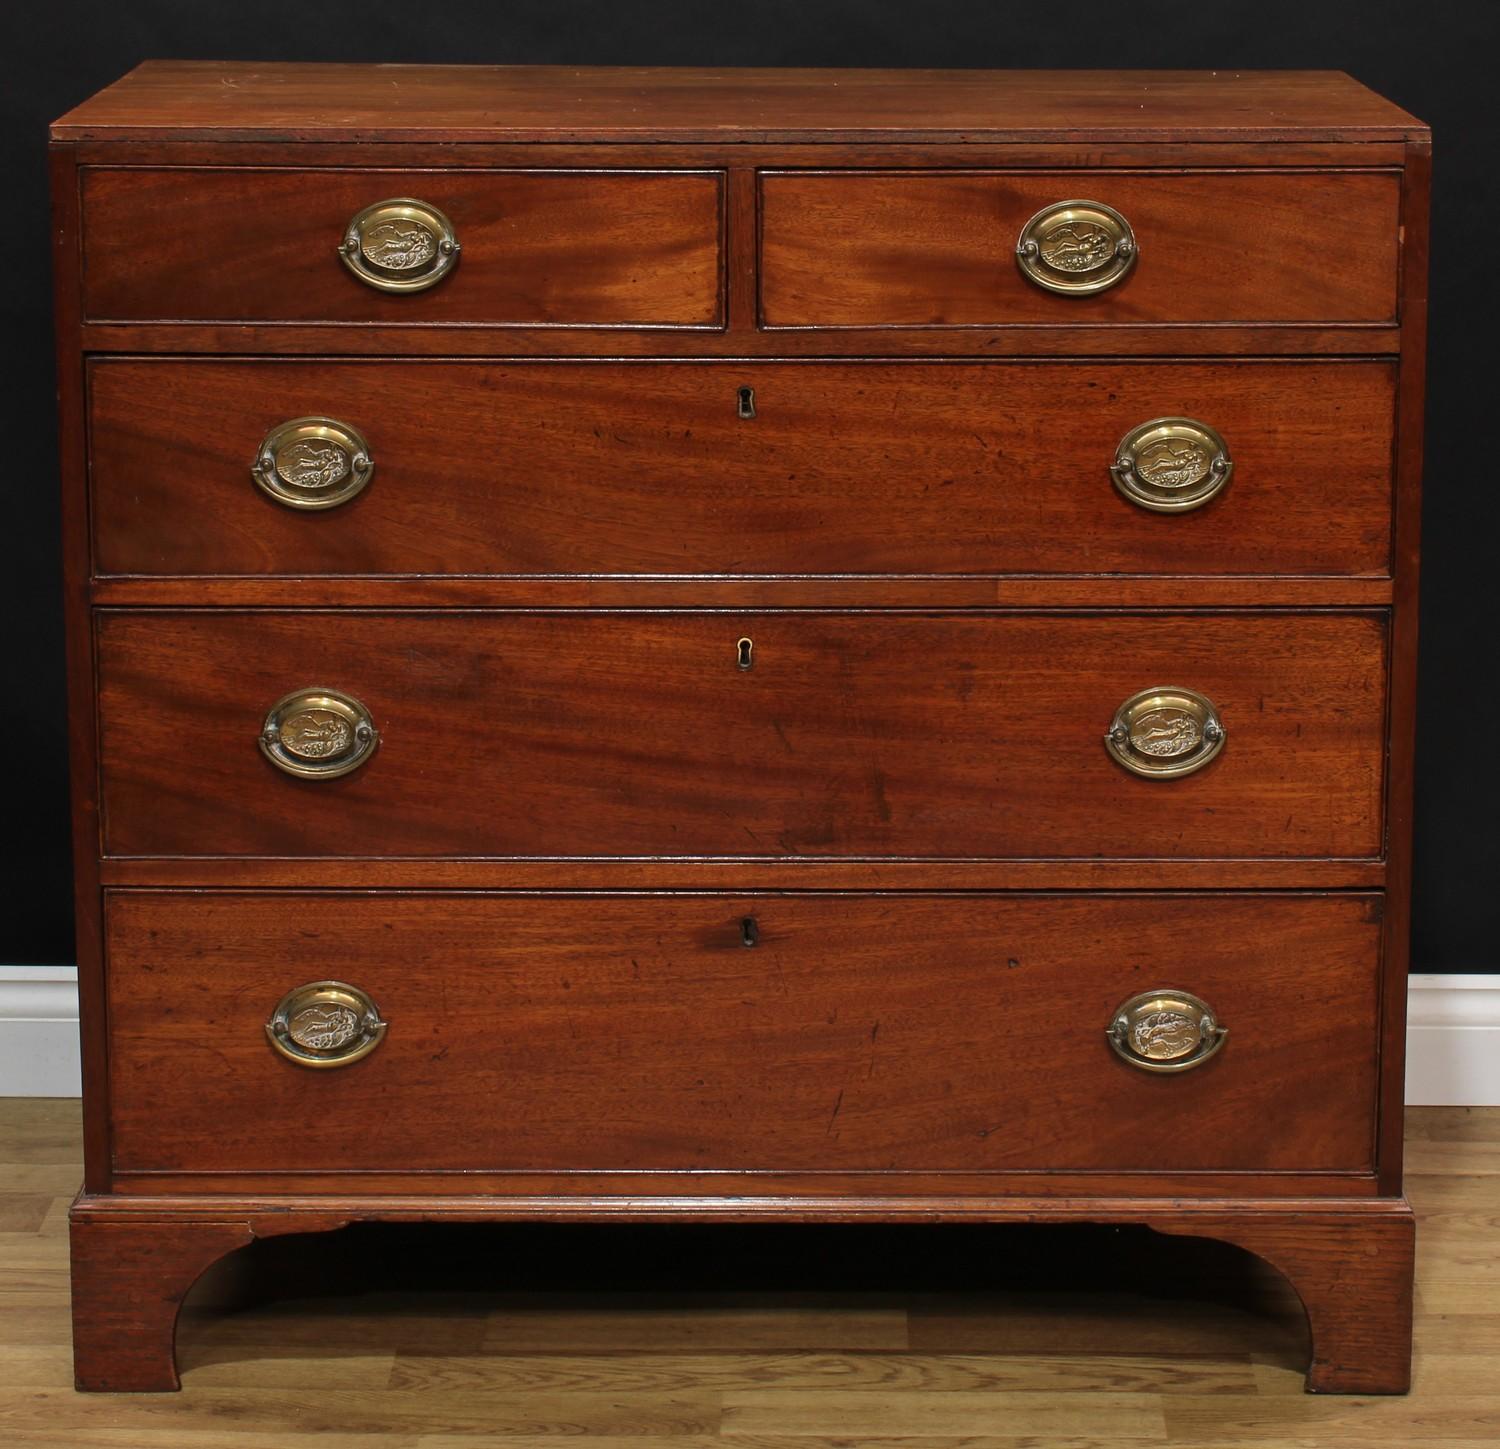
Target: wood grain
539, 247
1218, 1353
128, 1281
83, 740
632, 1034
995, 469
1361, 1339
1303, 1245
741, 872
893, 249
1406, 545
1360, 1327
1063, 339
723, 591
743, 157
842, 1196
547, 645
637, 734
310, 102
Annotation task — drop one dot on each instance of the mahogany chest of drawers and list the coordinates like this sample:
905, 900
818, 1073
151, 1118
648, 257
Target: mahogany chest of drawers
819, 646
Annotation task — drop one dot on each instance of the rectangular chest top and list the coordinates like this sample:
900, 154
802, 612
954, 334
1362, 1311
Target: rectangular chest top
214, 100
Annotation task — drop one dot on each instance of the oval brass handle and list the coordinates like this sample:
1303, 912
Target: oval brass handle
318, 733
325, 1024
1172, 464
312, 463
1076, 248
400, 245
1165, 1031
1164, 732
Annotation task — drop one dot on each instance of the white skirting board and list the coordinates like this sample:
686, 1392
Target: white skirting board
38, 1031
1453, 1041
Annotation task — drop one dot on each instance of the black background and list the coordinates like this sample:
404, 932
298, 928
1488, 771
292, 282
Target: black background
1439, 60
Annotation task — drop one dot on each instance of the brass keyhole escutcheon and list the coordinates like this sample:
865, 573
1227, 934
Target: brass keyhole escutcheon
1172, 465
312, 462
325, 1024
745, 653
1076, 248
745, 403
1165, 1031
400, 245
318, 733
1165, 732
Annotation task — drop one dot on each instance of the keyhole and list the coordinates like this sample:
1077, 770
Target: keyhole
745, 646
747, 402
749, 931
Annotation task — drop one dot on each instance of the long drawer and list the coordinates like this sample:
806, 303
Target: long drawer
588, 468
535, 247
938, 248
774, 734
641, 1032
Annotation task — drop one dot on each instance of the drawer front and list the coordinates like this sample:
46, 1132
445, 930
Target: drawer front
642, 734
639, 1033
536, 248
938, 249
557, 468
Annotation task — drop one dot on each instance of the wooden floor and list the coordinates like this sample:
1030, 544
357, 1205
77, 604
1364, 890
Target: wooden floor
750, 1338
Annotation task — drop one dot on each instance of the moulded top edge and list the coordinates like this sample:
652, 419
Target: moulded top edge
222, 101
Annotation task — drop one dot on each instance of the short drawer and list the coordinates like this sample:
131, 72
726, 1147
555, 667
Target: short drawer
938, 248
740, 469
535, 248
619, 1033
774, 734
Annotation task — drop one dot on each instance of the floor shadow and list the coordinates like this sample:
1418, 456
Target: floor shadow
1162, 1289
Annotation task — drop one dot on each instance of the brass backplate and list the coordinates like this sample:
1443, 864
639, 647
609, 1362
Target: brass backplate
1076, 248
1165, 1031
325, 1024
400, 245
1165, 732
1171, 465
317, 733
312, 462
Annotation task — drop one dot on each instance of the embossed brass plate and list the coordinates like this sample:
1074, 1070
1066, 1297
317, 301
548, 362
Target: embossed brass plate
325, 1024
318, 734
1076, 248
312, 463
1165, 1031
400, 245
1171, 465
1164, 732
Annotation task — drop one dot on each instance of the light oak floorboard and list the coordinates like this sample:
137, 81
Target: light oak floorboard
284, 1346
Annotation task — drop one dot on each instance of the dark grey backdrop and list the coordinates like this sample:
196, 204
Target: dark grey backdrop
1437, 58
